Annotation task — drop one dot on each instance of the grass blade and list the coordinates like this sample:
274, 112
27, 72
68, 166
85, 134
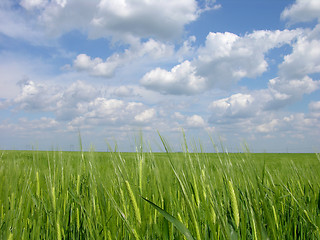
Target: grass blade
179, 225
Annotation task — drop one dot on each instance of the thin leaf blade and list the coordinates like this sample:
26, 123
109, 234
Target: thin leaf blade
179, 225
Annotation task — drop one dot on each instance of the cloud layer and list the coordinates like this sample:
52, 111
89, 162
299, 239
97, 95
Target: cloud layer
114, 66
225, 59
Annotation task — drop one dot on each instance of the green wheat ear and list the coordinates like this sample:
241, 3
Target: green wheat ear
179, 225
134, 202
234, 203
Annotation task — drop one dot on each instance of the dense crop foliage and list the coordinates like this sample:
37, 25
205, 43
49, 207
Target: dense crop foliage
145, 195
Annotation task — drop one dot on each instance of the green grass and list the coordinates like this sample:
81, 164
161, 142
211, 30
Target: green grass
146, 195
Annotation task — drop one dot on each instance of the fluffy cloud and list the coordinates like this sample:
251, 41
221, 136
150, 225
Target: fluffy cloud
292, 124
152, 49
222, 61
35, 126
95, 67
146, 115
124, 20
288, 90
129, 18
268, 127
280, 93
305, 56
236, 106
302, 11
123, 91
182, 79
195, 121
73, 100
81, 104
116, 112
314, 108
17, 25
61, 16
33, 4
35, 96
226, 58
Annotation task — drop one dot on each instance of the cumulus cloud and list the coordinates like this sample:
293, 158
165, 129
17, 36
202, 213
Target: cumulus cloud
236, 106
305, 56
73, 99
302, 11
33, 4
181, 79
195, 121
61, 16
280, 93
123, 91
121, 20
314, 108
35, 96
290, 124
222, 61
152, 49
17, 25
96, 67
42, 123
146, 115
128, 18
226, 58
81, 104
101, 111
35, 126
285, 91
269, 126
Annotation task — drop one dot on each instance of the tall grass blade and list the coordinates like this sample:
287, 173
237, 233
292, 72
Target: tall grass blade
179, 225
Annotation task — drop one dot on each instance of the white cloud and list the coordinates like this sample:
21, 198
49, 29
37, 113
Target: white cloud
182, 79
305, 56
35, 96
96, 67
122, 20
195, 121
282, 92
146, 115
236, 106
129, 19
42, 123
123, 91
226, 58
187, 50
314, 108
17, 25
293, 88
33, 4
222, 61
268, 127
59, 17
178, 115
116, 112
302, 11
73, 100
35, 126
105, 108
151, 49
81, 104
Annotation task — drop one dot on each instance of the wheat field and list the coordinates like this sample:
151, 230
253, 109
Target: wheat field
150, 195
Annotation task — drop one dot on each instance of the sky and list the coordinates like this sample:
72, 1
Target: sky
240, 73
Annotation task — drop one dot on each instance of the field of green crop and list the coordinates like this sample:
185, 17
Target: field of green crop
146, 195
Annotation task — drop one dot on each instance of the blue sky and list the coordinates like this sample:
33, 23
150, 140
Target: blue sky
239, 71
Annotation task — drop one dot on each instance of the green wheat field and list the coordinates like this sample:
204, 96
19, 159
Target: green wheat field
151, 195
